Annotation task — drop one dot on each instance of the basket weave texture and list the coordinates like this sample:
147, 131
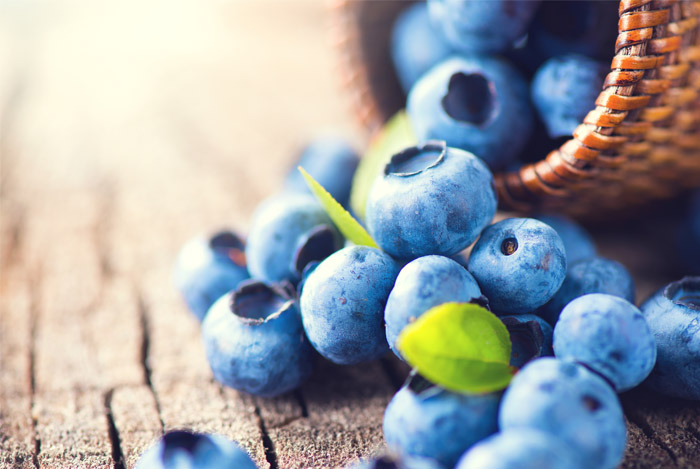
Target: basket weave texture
641, 141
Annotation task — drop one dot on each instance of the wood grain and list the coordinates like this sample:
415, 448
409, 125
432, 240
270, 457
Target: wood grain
124, 131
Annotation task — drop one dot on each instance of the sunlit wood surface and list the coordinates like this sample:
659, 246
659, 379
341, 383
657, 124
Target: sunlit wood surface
125, 129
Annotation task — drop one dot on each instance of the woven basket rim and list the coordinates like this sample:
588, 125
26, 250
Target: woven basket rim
646, 119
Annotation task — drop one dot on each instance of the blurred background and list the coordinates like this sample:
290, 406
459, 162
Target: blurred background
92, 90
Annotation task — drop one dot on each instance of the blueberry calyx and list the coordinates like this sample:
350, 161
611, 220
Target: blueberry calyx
685, 292
384, 462
420, 386
319, 243
509, 246
528, 335
591, 403
182, 440
470, 98
415, 160
481, 301
227, 244
255, 302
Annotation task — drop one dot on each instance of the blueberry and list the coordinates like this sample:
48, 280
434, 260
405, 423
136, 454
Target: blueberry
568, 401
416, 45
254, 340
186, 450
431, 200
287, 232
427, 421
342, 304
564, 90
592, 275
423, 283
479, 104
483, 26
673, 314
530, 336
578, 243
519, 264
397, 462
609, 335
331, 161
206, 268
575, 27
519, 448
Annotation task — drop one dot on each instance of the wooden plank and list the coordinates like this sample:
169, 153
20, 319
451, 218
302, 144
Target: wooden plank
16, 428
670, 430
69, 401
136, 420
344, 411
178, 373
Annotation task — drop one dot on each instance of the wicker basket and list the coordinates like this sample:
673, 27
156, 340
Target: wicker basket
640, 143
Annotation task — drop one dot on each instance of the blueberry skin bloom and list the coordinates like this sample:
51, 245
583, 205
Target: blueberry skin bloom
578, 243
567, 401
592, 275
206, 268
342, 304
519, 264
564, 90
609, 335
254, 341
530, 337
431, 200
186, 450
673, 314
416, 45
521, 448
477, 103
423, 283
427, 421
332, 163
483, 26
287, 232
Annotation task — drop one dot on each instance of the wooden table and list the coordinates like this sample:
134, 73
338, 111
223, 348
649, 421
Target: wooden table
127, 129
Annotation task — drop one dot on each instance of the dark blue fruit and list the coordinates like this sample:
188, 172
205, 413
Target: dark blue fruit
342, 304
206, 268
254, 340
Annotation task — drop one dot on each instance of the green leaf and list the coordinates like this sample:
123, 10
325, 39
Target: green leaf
394, 137
348, 226
460, 346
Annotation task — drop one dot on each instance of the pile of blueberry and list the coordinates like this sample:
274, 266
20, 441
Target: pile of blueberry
302, 286
465, 66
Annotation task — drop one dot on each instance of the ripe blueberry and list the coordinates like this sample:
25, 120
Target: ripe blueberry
609, 335
673, 314
254, 340
476, 103
423, 283
566, 400
431, 200
185, 450
591, 275
519, 264
425, 420
206, 268
287, 232
342, 304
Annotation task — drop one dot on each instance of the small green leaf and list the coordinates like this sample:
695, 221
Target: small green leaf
348, 226
394, 137
460, 346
